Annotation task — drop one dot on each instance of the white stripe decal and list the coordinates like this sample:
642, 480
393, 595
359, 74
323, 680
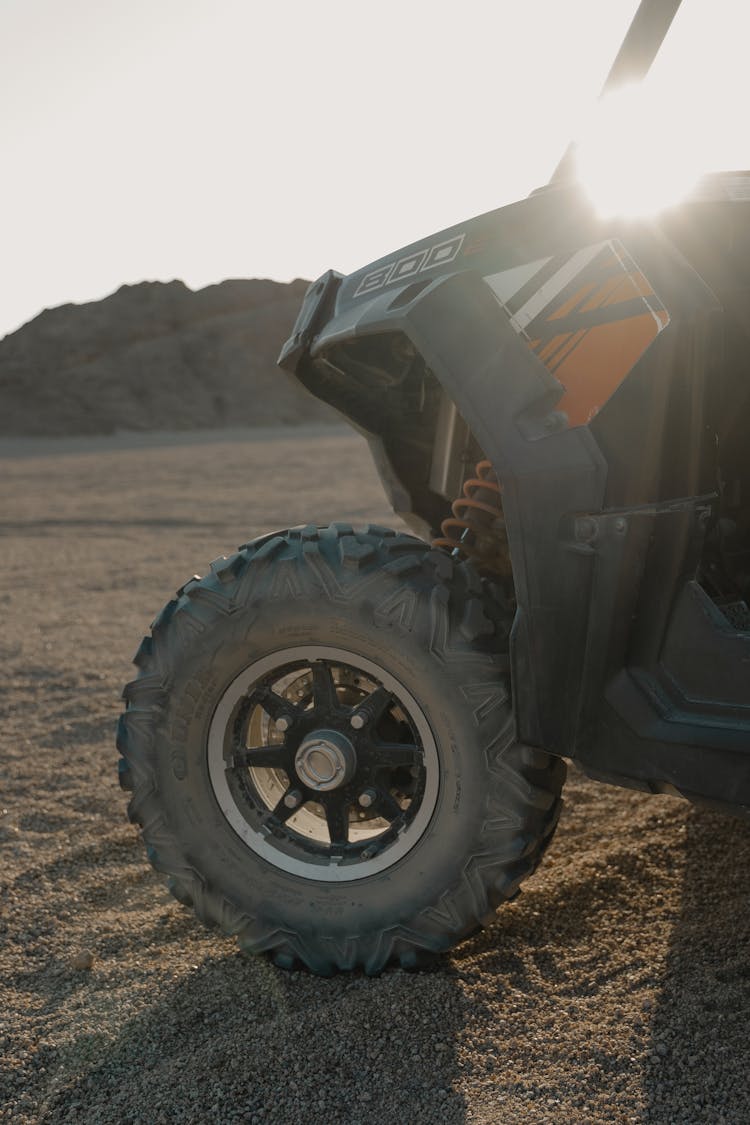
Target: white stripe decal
556, 283
508, 282
629, 267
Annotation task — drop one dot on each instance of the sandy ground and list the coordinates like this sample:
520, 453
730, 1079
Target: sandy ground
616, 988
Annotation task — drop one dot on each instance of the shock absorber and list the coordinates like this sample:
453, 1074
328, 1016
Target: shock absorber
476, 530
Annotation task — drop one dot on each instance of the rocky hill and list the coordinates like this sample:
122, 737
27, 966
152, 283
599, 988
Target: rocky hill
155, 356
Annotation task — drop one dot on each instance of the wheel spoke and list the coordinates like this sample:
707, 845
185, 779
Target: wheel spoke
324, 689
270, 757
387, 806
274, 705
375, 705
283, 811
395, 754
337, 819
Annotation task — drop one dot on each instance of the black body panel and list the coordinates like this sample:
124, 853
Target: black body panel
620, 658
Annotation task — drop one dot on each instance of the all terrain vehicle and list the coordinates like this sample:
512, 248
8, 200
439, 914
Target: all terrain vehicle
347, 745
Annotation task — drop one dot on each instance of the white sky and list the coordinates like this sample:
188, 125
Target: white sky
154, 139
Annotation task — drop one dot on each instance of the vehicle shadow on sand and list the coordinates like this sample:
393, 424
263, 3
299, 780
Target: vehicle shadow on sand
239, 1040
700, 1056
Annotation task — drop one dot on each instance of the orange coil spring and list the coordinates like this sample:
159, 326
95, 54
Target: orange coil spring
477, 526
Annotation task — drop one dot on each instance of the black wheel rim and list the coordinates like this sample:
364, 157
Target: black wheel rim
323, 763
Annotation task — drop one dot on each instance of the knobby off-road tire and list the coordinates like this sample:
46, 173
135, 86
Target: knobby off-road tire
321, 752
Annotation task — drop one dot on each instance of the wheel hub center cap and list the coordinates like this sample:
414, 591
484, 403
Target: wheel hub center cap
325, 760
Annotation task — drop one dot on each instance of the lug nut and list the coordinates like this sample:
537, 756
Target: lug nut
293, 799
358, 720
366, 798
283, 723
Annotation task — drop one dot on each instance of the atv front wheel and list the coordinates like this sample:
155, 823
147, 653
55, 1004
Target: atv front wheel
320, 747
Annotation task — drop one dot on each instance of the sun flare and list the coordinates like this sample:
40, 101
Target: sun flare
637, 156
